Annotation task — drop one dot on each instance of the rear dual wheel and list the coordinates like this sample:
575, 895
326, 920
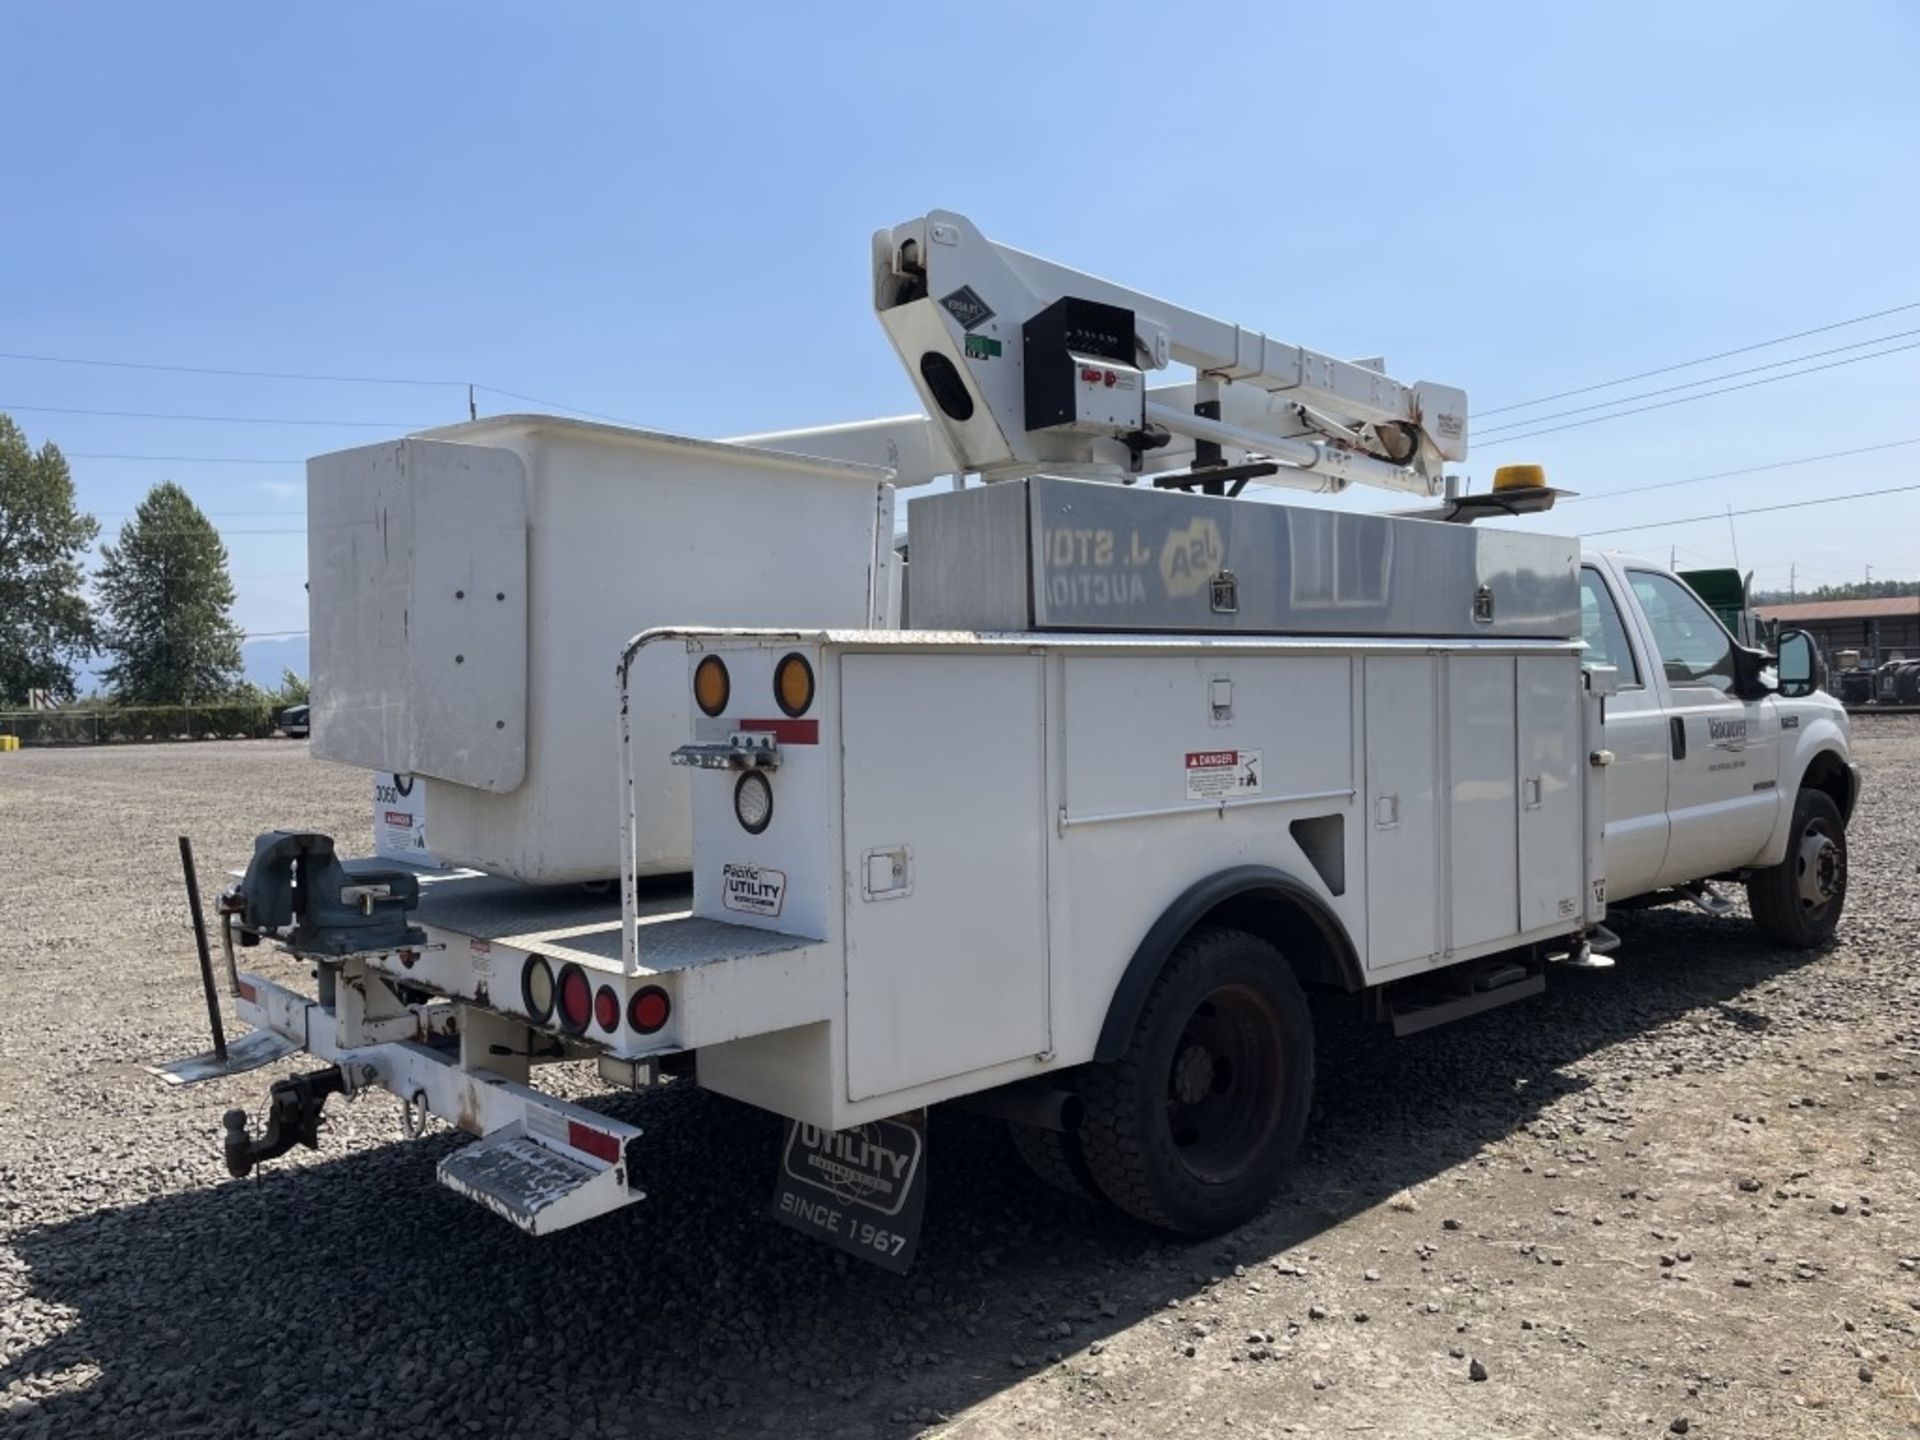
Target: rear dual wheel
1192, 1128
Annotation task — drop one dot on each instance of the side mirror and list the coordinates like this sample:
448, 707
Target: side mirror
1799, 664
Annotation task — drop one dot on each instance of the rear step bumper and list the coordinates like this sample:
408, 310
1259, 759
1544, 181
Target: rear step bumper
541, 1162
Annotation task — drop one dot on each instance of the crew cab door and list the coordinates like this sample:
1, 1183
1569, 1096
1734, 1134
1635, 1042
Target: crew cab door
1636, 734
1723, 751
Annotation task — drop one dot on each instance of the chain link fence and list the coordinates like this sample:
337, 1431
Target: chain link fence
116, 724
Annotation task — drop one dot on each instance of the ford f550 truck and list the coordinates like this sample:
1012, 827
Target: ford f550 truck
1064, 826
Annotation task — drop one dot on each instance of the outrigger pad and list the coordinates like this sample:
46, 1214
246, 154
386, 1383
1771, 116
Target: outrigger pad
297, 891
249, 1052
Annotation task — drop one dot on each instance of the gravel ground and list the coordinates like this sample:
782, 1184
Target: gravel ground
1676, 1197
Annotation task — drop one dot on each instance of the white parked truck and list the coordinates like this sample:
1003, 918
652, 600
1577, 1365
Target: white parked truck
1147, 762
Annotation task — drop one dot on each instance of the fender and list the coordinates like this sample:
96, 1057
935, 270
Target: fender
1819, 735
1199, 901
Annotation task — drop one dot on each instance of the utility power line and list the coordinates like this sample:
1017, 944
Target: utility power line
1719, 515
217, 370
1746, 470
1702, 360
1704, 380
1703, 395
293, 375
222, 419
180, 459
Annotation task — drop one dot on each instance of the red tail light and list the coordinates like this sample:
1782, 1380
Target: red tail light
648, 1010
576, 999
606, 1008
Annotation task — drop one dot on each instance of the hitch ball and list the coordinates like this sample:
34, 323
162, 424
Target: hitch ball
239, 1144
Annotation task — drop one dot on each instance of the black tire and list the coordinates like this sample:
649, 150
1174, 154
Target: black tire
1054, 1157
1193, 1127
1797, 903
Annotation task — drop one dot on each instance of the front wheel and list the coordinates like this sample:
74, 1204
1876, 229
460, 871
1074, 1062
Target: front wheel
1797, 903
1193, 1126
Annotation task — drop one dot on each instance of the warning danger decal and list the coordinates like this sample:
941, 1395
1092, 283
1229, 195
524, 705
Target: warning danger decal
753, 889
1222, 774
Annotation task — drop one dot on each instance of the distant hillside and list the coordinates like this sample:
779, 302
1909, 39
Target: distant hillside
264, 660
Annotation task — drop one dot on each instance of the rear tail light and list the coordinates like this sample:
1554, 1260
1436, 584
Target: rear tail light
648, 1010
536, 989
576, 999
606, 1008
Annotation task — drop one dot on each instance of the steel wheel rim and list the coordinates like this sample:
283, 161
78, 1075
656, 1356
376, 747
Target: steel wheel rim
1224, 1090
1821, 866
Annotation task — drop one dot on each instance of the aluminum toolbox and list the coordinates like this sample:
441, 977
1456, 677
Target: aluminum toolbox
1053, 554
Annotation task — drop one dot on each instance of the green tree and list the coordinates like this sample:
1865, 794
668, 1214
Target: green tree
165, 588
45, 625
292, 691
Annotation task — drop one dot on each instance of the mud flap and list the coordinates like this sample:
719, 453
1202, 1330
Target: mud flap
862, 1190
249, 1052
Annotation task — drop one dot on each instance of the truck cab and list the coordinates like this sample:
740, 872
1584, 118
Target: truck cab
1714, 753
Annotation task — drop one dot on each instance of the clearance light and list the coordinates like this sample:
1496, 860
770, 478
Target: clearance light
648, 1010
753, 802
793, 685
606, 1008
711, 686
1519, 477
576, 999
536, 989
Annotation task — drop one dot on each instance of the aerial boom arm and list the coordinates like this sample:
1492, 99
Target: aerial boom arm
1027, 365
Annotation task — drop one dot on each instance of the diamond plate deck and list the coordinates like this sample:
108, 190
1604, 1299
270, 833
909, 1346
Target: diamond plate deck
569, 922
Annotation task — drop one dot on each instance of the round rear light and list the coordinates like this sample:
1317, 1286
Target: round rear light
606, 1008
576, 999
793, 684
536, 989
711, 687
753, 802
648, 1010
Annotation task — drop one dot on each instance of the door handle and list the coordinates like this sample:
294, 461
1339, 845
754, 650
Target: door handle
1677, 729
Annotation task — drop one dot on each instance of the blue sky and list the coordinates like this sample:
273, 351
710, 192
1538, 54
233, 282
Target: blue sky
662, 213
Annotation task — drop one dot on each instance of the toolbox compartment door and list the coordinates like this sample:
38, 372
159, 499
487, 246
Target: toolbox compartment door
946, 820
1402, 820
417, 553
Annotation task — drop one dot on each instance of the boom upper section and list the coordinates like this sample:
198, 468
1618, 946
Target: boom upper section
1027, 366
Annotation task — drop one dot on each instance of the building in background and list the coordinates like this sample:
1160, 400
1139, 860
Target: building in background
1879, 629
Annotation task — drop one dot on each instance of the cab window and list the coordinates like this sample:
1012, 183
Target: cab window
1603, 630
1694, 647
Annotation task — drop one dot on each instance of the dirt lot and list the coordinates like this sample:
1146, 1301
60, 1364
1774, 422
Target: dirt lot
1678, 1197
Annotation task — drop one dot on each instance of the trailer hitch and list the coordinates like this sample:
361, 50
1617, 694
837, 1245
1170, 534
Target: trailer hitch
294, 1107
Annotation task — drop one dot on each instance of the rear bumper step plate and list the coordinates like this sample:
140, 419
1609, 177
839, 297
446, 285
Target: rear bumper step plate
537, 1188
249, 1052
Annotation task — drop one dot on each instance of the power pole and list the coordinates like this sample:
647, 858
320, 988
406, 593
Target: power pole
1793, 574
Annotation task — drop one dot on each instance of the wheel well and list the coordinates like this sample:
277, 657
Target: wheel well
1268, 903
1302, 937
1827, 773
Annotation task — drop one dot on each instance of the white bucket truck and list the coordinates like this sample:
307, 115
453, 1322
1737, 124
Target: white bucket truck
1149, 762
